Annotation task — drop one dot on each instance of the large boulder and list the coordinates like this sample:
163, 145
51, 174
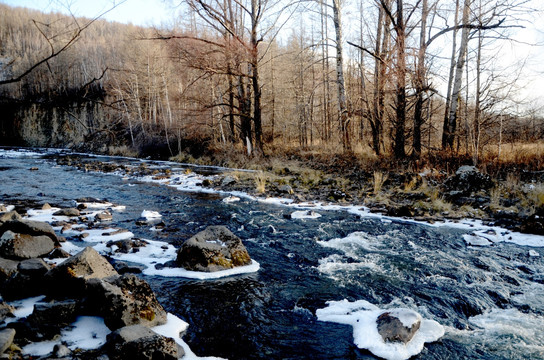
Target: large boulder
124, 300
23, 246
398, 325
30, 227
214, 249
466, 181
6, 339
69, 277
137, 342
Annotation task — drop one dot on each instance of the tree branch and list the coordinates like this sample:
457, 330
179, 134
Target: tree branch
368, 52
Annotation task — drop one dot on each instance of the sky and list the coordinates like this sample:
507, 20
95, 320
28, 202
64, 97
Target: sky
158, 12
138, 12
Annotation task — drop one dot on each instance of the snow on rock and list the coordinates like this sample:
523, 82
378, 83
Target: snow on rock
475, 240
148, 214
305, 214
200, 275
173, 328
362, 315
231, 199
533, 253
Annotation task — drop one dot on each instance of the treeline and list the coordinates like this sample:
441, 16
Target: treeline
230, 76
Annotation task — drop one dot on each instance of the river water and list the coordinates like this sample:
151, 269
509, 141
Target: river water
490, 299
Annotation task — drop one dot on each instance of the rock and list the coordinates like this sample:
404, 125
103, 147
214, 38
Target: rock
338, 195
58, 253
69, 277
103, 216
214, 249
285, 189
33, 267
67, 212
24, 246
123, 268
9, 216
126, 246
6, 339
228, 180
140, 343
28, 281
61, 351
5, 311
398, 325
402, 211
48, 319
467, 180
46, 206
3, 208
8, 267
124, 300
534, 224
30, 227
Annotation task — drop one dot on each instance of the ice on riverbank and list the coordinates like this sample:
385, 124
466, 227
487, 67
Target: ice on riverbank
362, 315
90, 332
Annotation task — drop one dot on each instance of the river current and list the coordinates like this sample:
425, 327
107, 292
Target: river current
489, 299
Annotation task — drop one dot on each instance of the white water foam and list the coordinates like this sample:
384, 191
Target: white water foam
508, 332
362, 315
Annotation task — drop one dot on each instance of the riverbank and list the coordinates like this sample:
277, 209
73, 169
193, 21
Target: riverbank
510, 200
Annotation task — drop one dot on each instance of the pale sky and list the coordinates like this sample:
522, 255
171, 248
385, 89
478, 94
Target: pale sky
138, 12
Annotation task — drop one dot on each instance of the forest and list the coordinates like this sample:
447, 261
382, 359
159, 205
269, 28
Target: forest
381, 81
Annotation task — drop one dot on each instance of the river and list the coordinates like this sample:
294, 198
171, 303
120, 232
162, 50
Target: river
489, 299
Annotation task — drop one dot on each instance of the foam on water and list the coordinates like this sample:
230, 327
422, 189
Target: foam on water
509, 332
362, 315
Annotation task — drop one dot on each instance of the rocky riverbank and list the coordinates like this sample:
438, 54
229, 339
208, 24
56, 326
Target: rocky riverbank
48, 295
515, 203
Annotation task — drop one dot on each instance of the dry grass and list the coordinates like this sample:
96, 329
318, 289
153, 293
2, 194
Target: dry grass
535, 196
379, 179
516, 153
495, 195
260, 182
411, 185
123, 150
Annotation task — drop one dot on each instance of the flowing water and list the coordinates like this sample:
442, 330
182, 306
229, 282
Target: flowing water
490, 299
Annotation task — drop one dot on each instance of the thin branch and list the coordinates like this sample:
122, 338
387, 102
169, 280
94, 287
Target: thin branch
368, 52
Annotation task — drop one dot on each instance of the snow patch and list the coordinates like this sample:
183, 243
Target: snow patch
148, 214
362, 315
305, 214
173, 328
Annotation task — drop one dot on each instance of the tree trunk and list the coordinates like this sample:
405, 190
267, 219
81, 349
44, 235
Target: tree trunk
342, 102
257, 115
458, 80
450, 78
420, 82
400, 139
